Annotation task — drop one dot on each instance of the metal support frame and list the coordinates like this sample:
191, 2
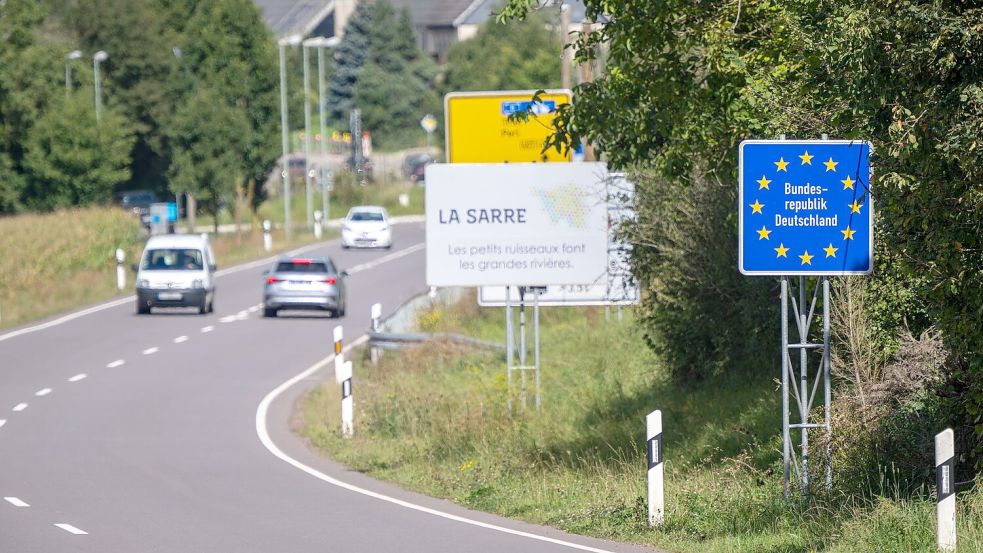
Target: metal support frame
523, 346
803, 386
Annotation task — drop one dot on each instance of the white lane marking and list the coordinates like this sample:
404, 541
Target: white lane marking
242, 315
116, 363
123, 301
227, 319
401, 253
77, 377
71, 529
151, 351
3, 422
180, 339
20, 407
253, 309
206, 329
264, 437
43, 392
16, 502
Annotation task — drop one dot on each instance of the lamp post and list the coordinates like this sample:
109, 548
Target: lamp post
98, 58
292, 40
323, 120
311, 42
73, 55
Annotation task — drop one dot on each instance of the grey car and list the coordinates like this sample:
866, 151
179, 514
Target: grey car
304, 283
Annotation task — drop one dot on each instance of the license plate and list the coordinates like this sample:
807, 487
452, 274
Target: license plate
169, 296
297, 285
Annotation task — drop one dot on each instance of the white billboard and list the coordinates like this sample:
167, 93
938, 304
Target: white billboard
516, 223
617, 287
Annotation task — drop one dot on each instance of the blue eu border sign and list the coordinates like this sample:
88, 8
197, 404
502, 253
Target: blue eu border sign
805, 208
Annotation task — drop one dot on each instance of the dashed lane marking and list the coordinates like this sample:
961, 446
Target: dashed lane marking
20, 407
151, 351
71, 529
16, 502
206, 329
116, 363
77, 377
180, 339
43, 392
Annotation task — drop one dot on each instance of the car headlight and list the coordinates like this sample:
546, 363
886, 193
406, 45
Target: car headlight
143, 283
197, 283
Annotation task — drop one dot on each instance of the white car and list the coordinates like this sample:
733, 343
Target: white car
176, 270
366, 226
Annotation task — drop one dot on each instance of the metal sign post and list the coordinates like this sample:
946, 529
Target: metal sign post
805, 211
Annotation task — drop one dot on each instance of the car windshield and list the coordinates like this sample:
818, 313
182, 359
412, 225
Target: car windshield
176, 259
366, 216
303, 266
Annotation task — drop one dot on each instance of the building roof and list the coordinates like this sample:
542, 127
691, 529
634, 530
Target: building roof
287, 17
483, 10
434, 13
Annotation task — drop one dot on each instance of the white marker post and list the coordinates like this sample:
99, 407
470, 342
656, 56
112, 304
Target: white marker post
120, 270
317, 224
267, 235
376, 315
656, 467
347, 403
945, 476
339, 355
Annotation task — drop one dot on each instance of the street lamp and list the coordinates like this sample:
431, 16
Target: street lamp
98, 58
292, 40
322, 117
73, 55
309, 43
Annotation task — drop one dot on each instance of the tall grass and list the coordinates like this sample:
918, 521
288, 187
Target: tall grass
435, 419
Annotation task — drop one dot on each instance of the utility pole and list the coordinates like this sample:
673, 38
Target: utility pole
567, 54
308, 191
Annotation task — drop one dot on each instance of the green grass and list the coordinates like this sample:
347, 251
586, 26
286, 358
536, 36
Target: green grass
434, 419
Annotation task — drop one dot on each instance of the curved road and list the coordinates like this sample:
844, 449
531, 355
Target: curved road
169, 433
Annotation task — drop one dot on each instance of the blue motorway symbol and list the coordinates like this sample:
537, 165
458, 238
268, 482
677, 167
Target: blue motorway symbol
805, 208
536, 108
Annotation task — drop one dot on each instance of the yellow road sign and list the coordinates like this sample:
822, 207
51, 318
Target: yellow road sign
478, 129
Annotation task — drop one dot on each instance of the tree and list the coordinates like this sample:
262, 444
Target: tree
239, 65
209, 139
349, 57
687, 81
524, 55
70, 160
29, 79
136, 76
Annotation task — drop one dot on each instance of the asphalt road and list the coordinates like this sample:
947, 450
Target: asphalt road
169, 433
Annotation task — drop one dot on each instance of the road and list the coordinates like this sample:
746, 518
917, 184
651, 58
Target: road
169, 433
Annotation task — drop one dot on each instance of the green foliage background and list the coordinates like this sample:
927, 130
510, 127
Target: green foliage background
699, 77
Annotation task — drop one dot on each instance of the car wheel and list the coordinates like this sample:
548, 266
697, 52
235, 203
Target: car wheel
269, 312
143, 309
203, 306
211, 306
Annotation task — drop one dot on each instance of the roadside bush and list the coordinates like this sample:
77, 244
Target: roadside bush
701, 315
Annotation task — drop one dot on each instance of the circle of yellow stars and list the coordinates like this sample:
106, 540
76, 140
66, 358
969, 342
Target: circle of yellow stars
757, 208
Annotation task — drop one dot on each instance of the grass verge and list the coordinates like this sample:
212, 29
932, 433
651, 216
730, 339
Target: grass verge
434, 419
58, 261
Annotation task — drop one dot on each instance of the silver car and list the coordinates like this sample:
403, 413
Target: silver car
304, 283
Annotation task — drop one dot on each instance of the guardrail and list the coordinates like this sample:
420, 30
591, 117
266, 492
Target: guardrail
399, 340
